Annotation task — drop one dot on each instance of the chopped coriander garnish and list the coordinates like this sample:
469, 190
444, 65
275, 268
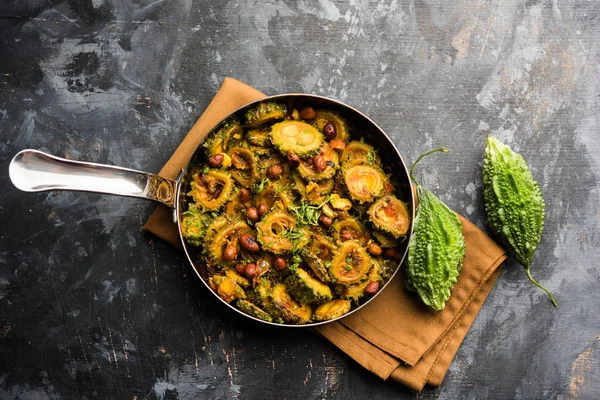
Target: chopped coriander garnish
370, 158
280, 189
206, 170
295, 235
262, 184
307, 214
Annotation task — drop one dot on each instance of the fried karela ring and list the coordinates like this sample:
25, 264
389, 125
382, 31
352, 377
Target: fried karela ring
272, 192
226, 288
258, 137
297, 137
243, 166
357, 153
341, 126
252, 309
357, 290
227, 235
290, 311
350, 229
211, 190
306, 289
277, 232
391, 215
332, 309
193, 226
364, 183
228, 135
264, 113
236, 207
307, 170
350, 263
317, 192
318, 256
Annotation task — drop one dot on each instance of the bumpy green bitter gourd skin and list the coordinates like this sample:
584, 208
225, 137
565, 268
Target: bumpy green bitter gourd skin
435, 250
514, 204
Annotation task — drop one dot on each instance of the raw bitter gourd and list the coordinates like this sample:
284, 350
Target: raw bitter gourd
436, 248
513, 203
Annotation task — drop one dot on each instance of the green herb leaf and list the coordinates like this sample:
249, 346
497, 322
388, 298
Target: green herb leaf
262, 184
370, 158
307, 214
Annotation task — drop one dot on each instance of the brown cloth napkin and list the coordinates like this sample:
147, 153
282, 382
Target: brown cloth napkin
395, 335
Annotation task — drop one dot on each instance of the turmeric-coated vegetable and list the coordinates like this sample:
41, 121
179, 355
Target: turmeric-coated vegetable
513, 203
436, 248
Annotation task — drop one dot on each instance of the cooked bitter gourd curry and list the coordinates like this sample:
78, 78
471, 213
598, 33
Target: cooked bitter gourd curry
294, 221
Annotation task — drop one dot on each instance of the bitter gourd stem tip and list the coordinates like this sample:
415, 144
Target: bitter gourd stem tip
442, 149
527, 271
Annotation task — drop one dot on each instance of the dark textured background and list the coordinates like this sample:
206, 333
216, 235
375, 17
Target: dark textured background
91, 307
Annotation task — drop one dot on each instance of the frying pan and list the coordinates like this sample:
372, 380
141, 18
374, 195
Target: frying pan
35, 171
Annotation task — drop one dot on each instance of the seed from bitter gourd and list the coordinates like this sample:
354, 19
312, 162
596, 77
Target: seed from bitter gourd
514, 204
436, 248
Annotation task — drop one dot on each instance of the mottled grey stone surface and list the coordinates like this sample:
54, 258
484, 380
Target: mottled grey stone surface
91, 307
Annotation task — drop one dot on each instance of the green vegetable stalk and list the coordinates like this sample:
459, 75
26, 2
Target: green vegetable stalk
513, 203
436, 248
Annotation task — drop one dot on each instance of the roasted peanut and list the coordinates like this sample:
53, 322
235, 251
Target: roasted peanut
280, 263
325, 221
389, 253
245, 195
320, 163
240, 268
262, 208
216, 161
250, 270
347, 234
293, 159
374, 249
230, 253
329, 131
275, 171
249, 243
252, 214
308, 113
372, 288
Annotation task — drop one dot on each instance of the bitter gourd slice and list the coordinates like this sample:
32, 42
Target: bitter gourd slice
296, 137
391, 215
264, 113
306, 289
364, 183
332, 309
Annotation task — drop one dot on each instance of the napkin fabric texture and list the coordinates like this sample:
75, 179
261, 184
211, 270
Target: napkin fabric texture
395, 336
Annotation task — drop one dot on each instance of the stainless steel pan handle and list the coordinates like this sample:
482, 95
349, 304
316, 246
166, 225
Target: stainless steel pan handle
36, 171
